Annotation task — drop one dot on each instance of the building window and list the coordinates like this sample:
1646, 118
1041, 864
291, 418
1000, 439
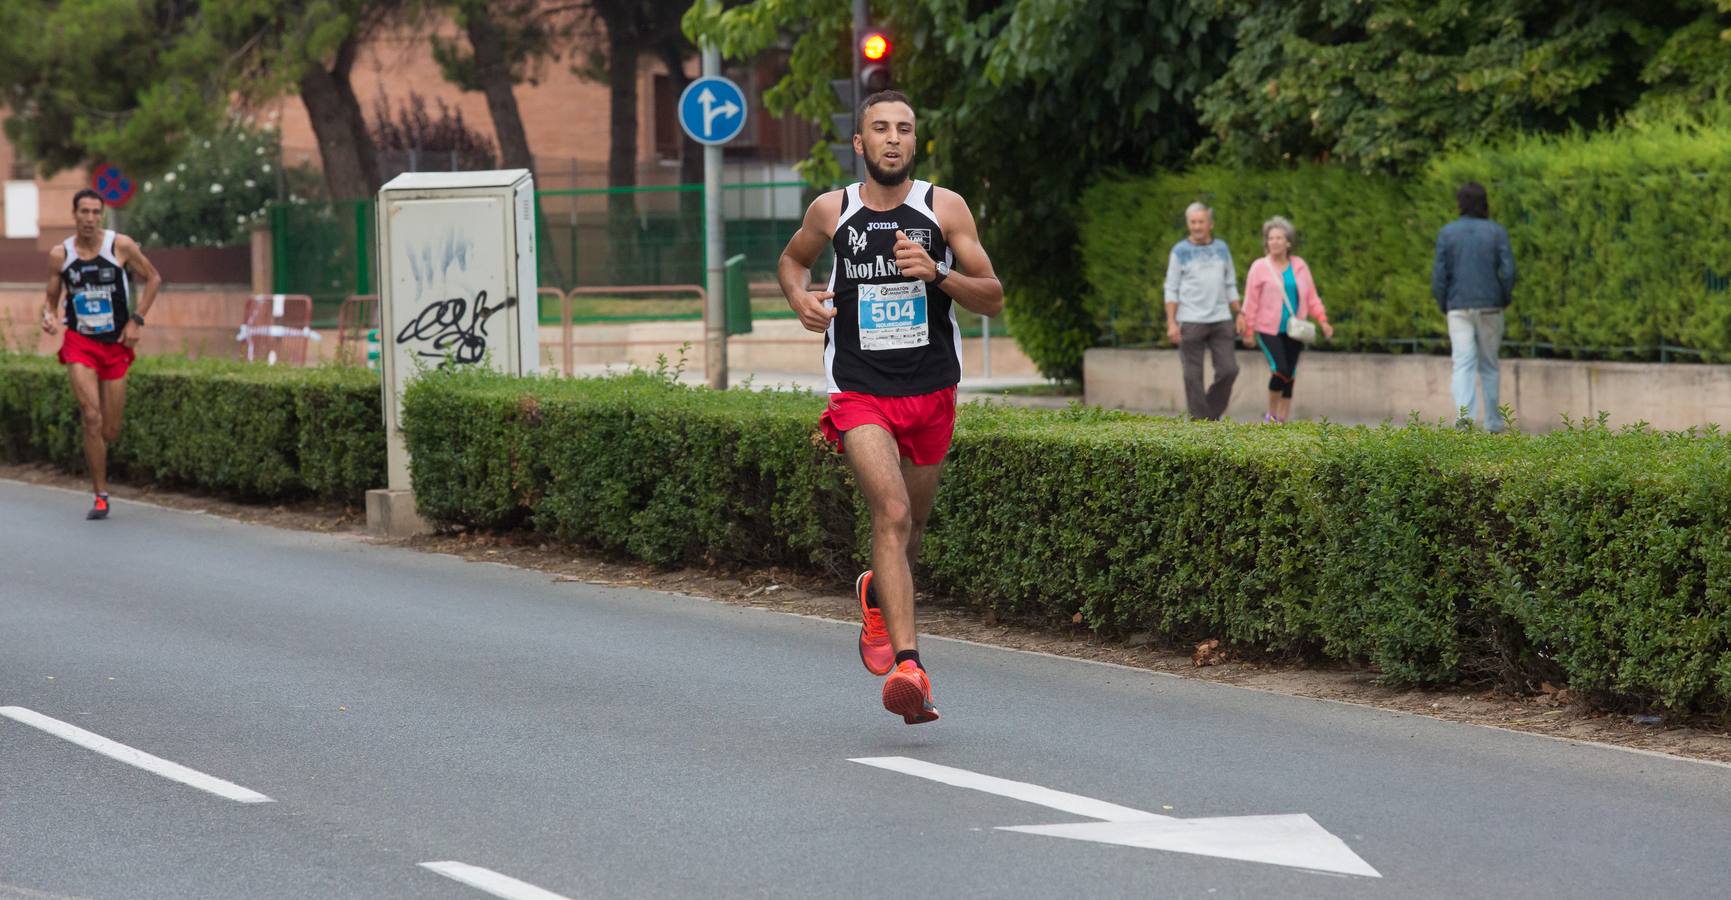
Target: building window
22, 209
669, 138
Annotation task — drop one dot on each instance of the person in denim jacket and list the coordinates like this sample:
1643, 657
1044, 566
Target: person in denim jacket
1473, 280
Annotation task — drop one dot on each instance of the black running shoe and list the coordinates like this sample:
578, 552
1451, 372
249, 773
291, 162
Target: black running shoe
98, 510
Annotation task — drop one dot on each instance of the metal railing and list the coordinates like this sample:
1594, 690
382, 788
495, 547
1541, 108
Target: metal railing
277, 328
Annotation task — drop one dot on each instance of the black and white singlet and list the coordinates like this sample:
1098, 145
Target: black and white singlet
892, 336
98, 304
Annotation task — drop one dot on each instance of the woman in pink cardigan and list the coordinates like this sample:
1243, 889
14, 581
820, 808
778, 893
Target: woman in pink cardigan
1278, 289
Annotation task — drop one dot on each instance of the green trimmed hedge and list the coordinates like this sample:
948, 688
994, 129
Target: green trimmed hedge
633, 466
1599, 558
1616, 235
247, 431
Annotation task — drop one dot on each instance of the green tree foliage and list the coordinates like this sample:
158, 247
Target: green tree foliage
213, 195
133, 82
1021, 104
1616, 235
94, 81
1386, 84
505, 44
1693, 65
263, 48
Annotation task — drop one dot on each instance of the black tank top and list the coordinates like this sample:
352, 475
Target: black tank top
98, 304
892, 336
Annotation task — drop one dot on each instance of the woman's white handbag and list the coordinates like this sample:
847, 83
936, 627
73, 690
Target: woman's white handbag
1301, 330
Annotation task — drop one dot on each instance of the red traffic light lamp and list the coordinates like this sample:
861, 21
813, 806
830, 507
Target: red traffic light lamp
874, 62
874, 46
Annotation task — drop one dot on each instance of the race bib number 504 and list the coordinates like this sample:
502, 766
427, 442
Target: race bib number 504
893, 316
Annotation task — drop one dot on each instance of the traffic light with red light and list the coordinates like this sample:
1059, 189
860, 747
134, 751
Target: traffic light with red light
874, 62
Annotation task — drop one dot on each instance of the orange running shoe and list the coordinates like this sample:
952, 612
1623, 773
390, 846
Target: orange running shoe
908, 693
99, 509
874, 640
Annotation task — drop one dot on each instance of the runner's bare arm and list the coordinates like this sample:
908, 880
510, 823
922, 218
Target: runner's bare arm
51, 304
794, 270
972, 283
127, 251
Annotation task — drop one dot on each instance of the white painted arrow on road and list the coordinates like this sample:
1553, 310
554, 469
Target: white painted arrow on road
1283, 840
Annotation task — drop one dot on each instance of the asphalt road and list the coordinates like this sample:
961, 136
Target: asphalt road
399, 709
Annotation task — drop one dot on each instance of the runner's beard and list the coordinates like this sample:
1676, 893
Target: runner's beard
888, 179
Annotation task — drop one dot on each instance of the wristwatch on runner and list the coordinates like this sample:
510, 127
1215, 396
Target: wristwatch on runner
137, 318
943, 272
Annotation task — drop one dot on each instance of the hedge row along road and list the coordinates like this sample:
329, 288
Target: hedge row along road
1588, 558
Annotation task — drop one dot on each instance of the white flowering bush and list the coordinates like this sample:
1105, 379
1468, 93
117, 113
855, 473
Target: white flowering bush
212, 196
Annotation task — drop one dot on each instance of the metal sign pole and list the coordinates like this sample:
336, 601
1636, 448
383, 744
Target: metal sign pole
861, 21
714, 313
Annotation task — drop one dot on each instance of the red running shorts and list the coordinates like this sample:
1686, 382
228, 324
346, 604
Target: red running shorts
109, 360
922, 425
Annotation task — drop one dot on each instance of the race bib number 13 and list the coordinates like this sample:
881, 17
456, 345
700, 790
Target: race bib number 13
95, 310
893, 316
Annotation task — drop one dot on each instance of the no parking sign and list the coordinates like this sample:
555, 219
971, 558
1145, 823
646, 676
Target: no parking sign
114, 187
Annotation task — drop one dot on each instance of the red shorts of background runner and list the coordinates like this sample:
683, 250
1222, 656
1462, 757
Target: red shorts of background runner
921, 425
109, 360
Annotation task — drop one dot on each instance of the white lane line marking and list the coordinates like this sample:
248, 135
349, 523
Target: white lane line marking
490, 881
133, 757
1294, 840
1015, 790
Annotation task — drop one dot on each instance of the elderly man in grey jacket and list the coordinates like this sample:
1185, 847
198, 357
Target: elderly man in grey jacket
1473, 280
1202, 312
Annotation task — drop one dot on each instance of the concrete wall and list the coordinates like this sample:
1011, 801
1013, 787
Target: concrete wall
197, 320
776, 345
202, 320
1363, 387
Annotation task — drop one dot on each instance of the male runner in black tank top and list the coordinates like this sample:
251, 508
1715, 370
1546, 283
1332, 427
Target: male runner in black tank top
102, 321
904, 251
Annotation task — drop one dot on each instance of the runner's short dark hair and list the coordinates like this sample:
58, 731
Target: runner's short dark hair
87, 192
875, 99
1472, 200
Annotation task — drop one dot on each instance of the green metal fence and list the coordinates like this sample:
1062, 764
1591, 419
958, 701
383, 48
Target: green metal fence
587, 238
323, 250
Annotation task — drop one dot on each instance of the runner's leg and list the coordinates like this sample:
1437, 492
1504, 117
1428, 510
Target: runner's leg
922, 482
85, 388
876, 463
113, 407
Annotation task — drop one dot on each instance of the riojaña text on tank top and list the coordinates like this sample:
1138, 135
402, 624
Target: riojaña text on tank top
96, 291
892, 335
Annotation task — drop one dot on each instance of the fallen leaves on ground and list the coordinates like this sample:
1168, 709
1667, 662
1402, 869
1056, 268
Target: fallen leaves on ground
1208, 653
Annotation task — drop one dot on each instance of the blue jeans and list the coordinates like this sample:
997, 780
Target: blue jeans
1475, 335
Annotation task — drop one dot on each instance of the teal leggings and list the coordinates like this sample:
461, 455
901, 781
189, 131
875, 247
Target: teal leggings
1282, 353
